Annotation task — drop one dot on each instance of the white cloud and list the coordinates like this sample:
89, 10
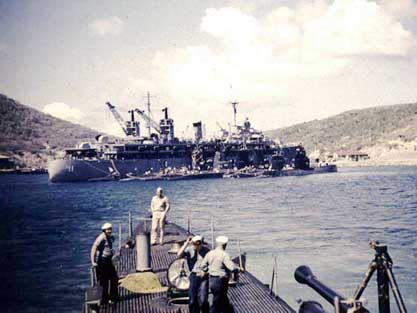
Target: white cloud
288, 65
308, 10
63, 111
312, 40
230, 25
268, 58
402, 8
107, 26
356, 27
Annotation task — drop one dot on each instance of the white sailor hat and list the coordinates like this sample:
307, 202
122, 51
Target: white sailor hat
106, 226
197, 239
222, 240
159, 189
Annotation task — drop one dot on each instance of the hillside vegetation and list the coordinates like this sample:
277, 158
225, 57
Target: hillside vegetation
376, 131
30, 136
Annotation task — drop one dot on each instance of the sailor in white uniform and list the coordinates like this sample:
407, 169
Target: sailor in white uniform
159, 208
219, 266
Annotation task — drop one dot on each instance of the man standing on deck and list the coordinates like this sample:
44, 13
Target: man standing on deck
198, 292
106, 273
219, 266
159, 208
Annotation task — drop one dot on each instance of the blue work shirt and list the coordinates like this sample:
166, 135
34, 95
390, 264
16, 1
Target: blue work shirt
194, 257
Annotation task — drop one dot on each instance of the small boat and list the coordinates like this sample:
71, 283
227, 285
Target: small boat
146, 177
241, 175
110, 177
198, 175
244, 173
328, 168
174, 176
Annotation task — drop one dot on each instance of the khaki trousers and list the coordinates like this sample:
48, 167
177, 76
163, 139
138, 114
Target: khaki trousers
158, 220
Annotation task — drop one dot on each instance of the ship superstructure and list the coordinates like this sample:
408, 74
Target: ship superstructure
240, 147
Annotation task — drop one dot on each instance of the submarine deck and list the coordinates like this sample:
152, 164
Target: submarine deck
249, 295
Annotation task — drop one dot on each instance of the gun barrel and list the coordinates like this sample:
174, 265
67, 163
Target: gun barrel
304, 275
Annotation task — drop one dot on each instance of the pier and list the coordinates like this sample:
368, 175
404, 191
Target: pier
248, 295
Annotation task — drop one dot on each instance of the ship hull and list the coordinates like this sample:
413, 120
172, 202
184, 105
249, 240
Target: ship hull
74, 170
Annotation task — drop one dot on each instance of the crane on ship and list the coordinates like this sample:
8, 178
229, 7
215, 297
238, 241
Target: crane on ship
130, 128
165, 128
225, 132
149, 120
117, 116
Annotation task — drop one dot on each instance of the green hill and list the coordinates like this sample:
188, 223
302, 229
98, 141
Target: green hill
375, 131
30, 137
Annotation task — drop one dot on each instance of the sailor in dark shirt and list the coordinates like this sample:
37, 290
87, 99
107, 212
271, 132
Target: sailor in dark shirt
101, 259
198, 292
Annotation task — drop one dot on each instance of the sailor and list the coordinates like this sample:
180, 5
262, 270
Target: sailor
159, 208
198, 291
101, 260
219, 266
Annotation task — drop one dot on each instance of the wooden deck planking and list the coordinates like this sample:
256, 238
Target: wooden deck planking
248, 296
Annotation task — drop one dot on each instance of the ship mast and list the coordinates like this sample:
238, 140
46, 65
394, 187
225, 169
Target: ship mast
234, 103
149, 114
149, 121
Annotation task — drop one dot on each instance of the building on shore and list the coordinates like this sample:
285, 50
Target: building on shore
350, 156
6, 163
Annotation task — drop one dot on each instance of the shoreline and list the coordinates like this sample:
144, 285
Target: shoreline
339, 164
375, 163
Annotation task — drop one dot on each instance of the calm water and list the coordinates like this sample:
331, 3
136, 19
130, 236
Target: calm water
324, 221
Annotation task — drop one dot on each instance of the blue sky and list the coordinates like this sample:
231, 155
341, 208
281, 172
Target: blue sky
285, 61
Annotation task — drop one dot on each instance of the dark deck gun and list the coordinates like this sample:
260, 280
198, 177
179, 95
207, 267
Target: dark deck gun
304, 275
382, 264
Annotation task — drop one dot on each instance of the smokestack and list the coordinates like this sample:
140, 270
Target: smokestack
165, 110
198, 131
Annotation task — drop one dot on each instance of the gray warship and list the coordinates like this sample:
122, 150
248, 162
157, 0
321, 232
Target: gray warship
240, 147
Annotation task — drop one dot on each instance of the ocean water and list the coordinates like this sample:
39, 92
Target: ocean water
324, 221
